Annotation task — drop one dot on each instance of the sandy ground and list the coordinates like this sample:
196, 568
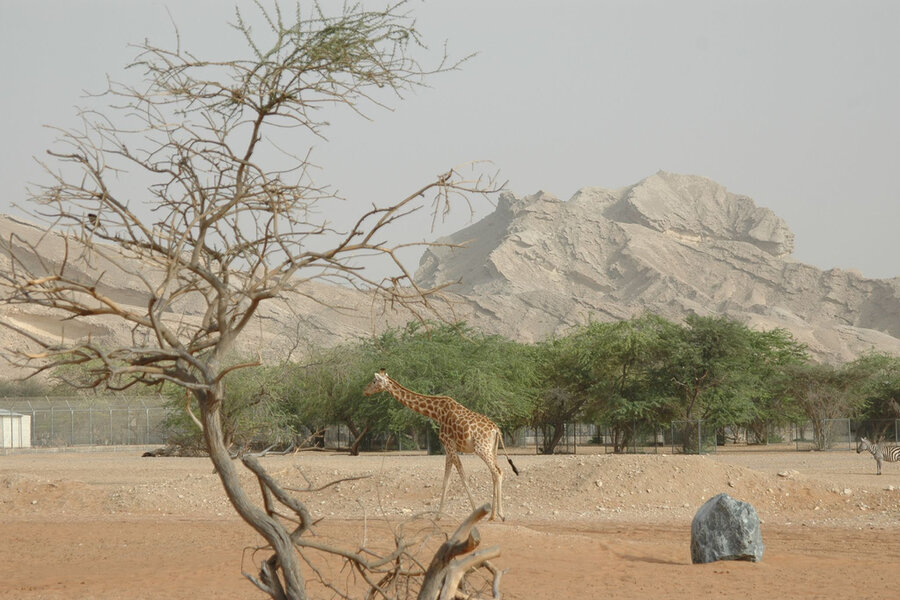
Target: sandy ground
109, 525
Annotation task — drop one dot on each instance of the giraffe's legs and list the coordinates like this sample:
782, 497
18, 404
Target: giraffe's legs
497, 504
453, 459
448, 465
489, 456
462, 475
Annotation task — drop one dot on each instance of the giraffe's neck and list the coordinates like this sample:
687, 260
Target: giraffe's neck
430, 406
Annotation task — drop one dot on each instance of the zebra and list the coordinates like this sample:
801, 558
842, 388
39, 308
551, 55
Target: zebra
888, 453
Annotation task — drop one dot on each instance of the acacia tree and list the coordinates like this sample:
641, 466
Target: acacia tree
879, 377
823, 393
600, 371
626, 352
487, 373
327, 390
771, 355
567, 379
217, 228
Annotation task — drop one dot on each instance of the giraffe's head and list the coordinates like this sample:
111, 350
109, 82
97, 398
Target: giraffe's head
378, 384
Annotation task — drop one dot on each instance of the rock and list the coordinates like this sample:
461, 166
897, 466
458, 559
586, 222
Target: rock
726, 529
670, 244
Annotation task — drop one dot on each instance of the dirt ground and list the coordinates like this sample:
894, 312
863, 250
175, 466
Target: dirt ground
110, 525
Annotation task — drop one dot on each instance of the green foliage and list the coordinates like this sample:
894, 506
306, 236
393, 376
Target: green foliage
771, 354
602, 372
823, 392
879, 374
24, 388
707, 367
489, 374
632, 375
723, 372
647, 371
253, 413
486, 373
327, 390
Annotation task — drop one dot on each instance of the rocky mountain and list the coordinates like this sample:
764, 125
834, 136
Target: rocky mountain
670, 244
287, 327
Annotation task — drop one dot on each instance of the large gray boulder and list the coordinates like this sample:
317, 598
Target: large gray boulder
726, 529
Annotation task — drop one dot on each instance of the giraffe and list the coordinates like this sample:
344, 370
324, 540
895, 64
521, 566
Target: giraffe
461, 430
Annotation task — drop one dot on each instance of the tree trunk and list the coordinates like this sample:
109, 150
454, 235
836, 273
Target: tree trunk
357, 439
621, 438
760, 430
819, 434
294, 586
552, 434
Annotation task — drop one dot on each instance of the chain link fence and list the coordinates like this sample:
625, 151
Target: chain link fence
114, 420
60, 421
698, 437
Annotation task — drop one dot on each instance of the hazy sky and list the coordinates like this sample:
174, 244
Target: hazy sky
795, 104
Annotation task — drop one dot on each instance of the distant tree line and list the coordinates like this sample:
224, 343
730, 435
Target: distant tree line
626, 376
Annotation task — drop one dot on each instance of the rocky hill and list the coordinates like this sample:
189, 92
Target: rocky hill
280, 329
670, 244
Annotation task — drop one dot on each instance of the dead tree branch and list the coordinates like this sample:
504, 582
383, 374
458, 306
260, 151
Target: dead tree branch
457, 557
216, 234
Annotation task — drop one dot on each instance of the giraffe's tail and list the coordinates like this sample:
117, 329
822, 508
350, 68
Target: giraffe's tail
502, 445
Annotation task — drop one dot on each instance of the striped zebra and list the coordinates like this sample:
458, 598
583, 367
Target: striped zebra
888, 453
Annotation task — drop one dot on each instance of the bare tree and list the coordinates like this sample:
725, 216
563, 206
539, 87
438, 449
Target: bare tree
823, 393
217, 228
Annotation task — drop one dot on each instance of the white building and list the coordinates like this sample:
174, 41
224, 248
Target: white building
15, 429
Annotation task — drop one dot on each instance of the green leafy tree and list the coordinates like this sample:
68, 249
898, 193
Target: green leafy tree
326, 390
879, 375
823, 393
721, 372
253, 416
631, 396
563, 397
486, 373
601, 372
771, 354
703, 365
489, 374
700, 373
644, 372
